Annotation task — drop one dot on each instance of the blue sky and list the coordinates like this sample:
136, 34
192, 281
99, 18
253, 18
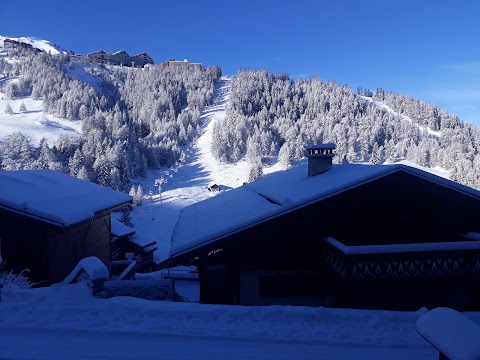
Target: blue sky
424, 48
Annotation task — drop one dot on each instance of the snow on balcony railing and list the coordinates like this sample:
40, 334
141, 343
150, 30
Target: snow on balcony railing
402, 248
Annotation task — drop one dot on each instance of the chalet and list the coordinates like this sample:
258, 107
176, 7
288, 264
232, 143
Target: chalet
366, 236
214, 188
49, 221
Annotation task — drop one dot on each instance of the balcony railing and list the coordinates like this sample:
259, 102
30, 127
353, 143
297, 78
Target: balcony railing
458, 260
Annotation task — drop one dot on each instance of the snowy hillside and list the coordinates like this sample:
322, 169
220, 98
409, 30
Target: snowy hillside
26, 115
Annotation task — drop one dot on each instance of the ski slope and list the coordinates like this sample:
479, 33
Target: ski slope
186, 183
387, 108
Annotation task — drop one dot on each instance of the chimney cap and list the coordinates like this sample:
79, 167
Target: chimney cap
319, 158
326, 146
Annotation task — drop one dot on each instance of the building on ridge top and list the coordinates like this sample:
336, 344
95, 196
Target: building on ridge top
171, 63
10, 44
120, 58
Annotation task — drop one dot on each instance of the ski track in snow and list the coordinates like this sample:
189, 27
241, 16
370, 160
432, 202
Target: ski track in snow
384, 106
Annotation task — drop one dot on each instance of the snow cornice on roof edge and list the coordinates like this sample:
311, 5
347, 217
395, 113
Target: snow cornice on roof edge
56, 198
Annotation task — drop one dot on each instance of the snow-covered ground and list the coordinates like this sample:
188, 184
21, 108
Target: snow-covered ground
67, 322
34, 123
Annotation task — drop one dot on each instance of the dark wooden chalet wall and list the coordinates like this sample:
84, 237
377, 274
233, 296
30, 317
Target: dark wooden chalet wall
51, 252
399, 208
87, 239
23, 243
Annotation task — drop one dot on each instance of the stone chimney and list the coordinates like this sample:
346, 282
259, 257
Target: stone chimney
319, 158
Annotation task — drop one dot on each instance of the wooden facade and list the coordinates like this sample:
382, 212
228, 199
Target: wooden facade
49, 221
283, 258
51, 252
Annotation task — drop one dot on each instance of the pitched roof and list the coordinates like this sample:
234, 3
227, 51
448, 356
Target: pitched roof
212, 219
54, 197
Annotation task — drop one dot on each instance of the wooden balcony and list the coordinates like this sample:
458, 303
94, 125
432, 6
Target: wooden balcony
455, 260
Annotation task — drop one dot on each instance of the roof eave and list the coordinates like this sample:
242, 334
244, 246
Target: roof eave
60, 224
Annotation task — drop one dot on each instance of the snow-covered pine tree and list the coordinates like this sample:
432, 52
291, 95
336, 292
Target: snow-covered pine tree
132, 192
8, 109
139, 195
256, 171
22, 108
375, 159
46, 158
17, 152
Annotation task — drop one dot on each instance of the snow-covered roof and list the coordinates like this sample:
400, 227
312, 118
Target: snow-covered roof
453, 334
54, 197
210, 220
93, 266
119, 229
120, 52
321, 146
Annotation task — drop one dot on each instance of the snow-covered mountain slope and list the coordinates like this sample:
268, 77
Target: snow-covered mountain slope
44, 45
382, 105
83, 72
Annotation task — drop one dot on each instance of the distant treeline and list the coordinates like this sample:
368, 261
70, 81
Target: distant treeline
270, 114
